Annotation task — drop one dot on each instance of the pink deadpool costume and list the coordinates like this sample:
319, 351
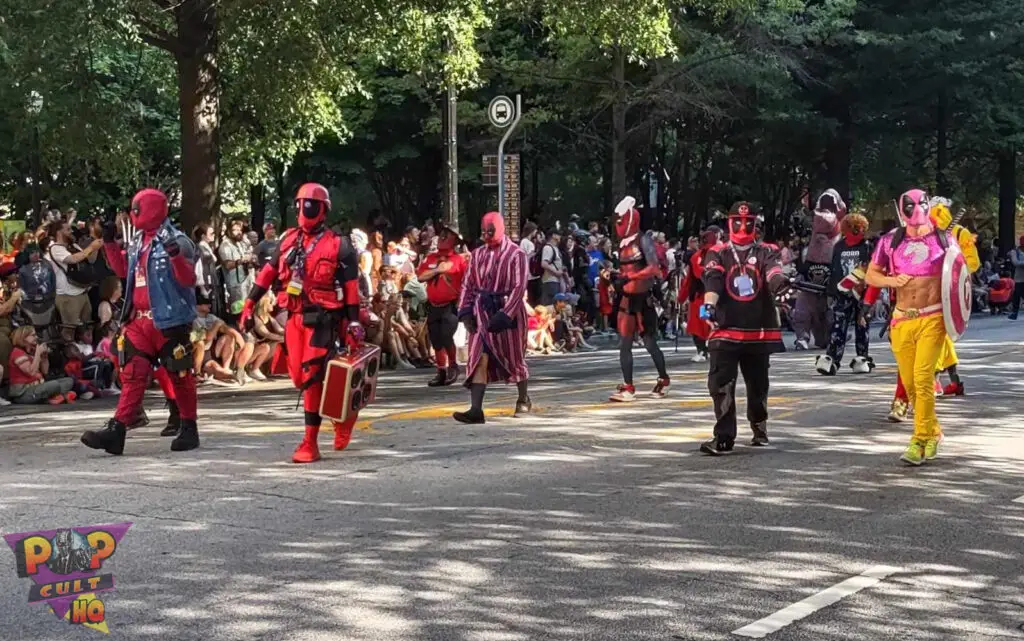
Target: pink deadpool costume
918, 249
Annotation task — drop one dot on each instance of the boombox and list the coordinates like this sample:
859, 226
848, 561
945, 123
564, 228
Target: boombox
350, 383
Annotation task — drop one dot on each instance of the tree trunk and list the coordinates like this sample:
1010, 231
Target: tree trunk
839, 149
258, 207
535, 187
282, 196
198, 100
1007, 199
619, 125
942, 143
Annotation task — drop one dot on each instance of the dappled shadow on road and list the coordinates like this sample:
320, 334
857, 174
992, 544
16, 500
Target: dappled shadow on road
629, 544
605, 526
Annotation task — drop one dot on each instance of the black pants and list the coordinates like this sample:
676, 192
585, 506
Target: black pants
846, 310
1018, 296
442, 321
722, 385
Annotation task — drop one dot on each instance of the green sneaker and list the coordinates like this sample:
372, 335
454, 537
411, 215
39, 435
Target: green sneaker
931, 448
914, 454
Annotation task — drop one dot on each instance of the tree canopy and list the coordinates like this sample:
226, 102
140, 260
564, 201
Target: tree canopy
230, 104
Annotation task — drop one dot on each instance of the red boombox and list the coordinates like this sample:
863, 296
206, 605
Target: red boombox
350, 383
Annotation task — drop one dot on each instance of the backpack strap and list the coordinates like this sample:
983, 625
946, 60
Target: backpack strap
897, 238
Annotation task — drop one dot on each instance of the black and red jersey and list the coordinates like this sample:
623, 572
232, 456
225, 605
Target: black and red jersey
746, 281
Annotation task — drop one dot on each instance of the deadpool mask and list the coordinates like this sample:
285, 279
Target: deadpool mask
492, 229
312, 214
149, 209
742, 225
914, 208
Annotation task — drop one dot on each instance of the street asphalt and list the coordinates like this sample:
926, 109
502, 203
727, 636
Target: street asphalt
586, 521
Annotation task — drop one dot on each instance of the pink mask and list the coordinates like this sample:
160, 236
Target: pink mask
914, 208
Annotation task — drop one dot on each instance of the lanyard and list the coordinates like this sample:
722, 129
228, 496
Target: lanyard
735, 255
299, 271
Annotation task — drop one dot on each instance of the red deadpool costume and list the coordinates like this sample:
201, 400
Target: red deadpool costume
692, 290
317, 276
159, 268
638, 269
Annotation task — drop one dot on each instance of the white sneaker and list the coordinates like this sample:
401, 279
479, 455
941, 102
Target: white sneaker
699, 357
4, 402
404, 364
257, 375
86, 396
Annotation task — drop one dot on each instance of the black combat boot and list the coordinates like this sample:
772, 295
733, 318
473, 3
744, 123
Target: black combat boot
173, 421
187, 438
110, 438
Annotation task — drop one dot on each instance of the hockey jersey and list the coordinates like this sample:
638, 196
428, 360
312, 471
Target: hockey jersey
746, 281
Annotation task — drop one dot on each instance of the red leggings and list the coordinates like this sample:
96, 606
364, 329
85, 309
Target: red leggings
147, 341
304, 364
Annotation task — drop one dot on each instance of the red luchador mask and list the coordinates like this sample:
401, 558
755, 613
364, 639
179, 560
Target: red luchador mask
627, 218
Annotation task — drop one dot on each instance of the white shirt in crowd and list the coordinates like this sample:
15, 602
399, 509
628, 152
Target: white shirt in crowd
530, 249
58, 256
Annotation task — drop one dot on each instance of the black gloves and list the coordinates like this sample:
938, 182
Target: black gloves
500, 322
470, 322
169, 240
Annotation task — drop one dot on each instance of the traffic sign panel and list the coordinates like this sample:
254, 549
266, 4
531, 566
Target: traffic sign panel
501, 111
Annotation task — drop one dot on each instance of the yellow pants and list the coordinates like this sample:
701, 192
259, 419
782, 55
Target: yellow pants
948, 356
918, 344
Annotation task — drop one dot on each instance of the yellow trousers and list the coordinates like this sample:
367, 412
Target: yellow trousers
918, 344
948, 357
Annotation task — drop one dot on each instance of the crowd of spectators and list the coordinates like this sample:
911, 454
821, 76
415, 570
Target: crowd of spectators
60, 303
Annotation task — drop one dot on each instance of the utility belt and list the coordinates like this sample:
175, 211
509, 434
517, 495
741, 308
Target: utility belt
175, 355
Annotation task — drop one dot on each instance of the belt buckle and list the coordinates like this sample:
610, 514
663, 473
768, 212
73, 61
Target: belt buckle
912, 313
146, 314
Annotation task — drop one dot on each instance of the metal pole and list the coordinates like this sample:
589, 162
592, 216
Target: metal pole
37, 194
453, 159
501, 155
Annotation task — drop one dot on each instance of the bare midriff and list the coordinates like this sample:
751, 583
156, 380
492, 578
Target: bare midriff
919, 293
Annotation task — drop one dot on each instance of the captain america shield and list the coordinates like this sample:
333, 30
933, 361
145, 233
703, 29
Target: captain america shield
956, 293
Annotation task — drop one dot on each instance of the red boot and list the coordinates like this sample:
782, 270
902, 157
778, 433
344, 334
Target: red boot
953, 389
343, 434
308, 451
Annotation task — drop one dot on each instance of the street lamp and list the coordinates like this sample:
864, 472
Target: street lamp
35, 107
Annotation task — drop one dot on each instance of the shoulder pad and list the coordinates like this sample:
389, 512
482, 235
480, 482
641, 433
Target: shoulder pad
718, 247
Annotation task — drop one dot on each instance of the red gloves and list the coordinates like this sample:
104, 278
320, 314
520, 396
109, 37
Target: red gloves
245, 319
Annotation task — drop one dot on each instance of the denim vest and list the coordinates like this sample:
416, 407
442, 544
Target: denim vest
172, 304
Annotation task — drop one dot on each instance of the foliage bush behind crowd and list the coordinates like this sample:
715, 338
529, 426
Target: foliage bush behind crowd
230, 104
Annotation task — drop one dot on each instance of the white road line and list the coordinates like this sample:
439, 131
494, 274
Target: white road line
1019, 499
823, 599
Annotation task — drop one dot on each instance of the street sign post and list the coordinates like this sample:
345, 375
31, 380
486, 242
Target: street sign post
503, 114
510, 210
501, 111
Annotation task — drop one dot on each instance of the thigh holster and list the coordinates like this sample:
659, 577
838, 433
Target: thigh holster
126, 351
176, 354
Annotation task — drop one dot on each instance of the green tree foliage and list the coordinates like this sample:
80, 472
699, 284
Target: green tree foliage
688, 106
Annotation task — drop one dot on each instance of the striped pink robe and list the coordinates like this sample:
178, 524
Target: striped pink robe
504, 270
